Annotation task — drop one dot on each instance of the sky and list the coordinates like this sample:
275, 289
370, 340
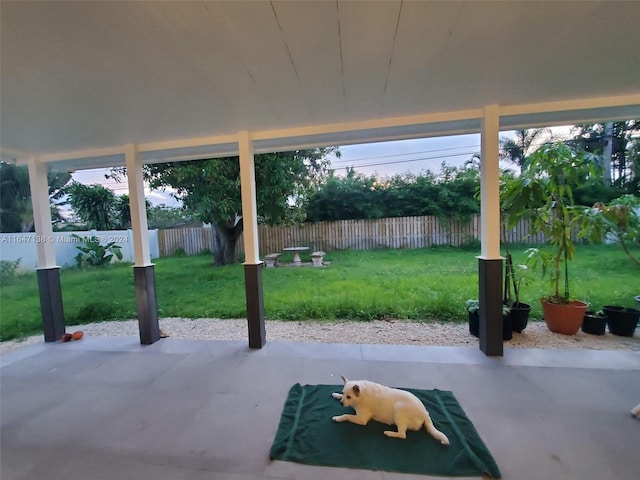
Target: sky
383, 159
415, 156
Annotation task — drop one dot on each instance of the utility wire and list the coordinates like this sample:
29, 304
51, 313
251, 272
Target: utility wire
435, 157
340, 160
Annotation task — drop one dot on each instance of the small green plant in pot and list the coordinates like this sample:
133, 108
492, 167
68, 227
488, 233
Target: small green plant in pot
473, 308
594, 323
521, 275
544, 194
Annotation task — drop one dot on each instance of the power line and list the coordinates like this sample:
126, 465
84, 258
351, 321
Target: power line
404, 154
435, 157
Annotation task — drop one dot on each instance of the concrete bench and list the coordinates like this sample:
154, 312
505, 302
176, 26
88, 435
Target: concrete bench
317, 258
271, 260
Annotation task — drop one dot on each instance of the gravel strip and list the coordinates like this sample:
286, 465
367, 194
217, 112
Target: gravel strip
394, 332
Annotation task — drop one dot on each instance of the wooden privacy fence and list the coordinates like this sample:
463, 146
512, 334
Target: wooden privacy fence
402, 232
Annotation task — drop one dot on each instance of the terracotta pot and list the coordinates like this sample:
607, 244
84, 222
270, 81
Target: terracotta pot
563, 318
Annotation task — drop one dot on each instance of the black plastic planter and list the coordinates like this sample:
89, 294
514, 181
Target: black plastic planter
621, 321
507, 329
594, 324
520, 316
474, 324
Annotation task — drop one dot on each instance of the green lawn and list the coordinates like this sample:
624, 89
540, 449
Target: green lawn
413, 284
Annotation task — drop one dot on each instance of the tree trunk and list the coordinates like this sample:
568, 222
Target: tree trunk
26, 225
224, 243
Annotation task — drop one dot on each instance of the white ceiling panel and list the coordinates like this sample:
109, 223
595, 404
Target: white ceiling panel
84, 76
367, 37
312, 36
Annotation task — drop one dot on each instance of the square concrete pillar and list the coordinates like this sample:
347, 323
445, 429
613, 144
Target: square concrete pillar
255, 304
51, 303
490, 280
146, 304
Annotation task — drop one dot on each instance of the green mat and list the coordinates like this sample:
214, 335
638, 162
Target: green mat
307, 434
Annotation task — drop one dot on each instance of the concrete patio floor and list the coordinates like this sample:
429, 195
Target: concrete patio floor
109, 408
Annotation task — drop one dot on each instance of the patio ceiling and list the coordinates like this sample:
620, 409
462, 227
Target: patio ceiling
180, 79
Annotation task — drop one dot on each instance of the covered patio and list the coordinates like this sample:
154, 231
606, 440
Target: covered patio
101, 84
185, 409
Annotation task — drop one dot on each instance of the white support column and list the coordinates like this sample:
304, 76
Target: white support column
490, 262
137, 205
51, 307
249, 207
143, 270
252, 263
42, 213
490, 185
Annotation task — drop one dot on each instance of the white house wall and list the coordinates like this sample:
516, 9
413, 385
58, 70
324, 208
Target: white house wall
24, 246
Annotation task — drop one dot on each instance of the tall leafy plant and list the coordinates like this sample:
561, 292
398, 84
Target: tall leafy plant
544, 194
93, 254
94, 204
620, 220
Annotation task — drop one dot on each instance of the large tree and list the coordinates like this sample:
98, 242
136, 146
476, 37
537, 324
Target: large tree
212, 189
16, 211
450, 193
625, 151
100, 208
516, 150
164, 216
95, 205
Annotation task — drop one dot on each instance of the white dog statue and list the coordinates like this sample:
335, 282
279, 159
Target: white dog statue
391, 406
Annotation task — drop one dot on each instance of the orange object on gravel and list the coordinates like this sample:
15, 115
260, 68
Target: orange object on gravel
77, 335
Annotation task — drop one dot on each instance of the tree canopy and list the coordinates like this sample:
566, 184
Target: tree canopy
212, 189
99, 207
450, 193
526, 141
625, 152
16, 211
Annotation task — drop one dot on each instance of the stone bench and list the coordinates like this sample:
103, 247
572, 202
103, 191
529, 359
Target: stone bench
271, 260
317, 258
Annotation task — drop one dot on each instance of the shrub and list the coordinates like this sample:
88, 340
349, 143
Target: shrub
95, 255
9, 270
96, 312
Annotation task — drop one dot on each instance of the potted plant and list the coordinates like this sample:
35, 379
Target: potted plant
544, 193
594, 323
473, 309
622, 321
518, 312
521, 275
514, 276
507, 325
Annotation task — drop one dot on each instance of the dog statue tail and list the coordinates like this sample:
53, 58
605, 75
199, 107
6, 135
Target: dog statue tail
434, 432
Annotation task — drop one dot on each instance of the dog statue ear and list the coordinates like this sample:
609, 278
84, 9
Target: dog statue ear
356, 390
344, 379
